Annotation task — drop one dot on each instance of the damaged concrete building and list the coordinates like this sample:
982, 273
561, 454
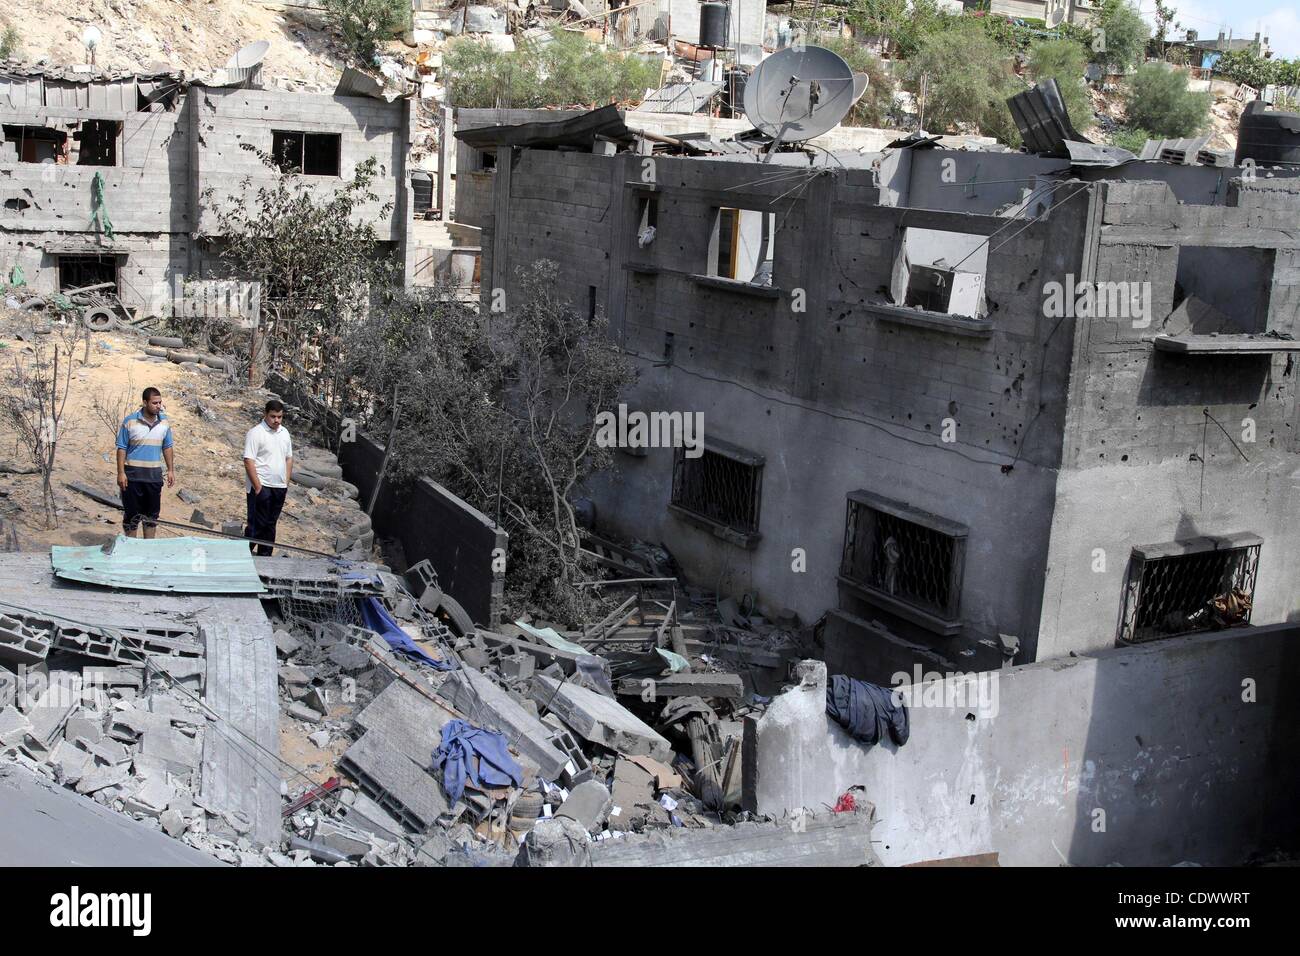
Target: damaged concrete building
103, 175
968, 404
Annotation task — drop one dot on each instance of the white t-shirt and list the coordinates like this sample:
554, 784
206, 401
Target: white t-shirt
270, 451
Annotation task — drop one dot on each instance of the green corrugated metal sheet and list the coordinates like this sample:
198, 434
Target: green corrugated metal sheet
183, 565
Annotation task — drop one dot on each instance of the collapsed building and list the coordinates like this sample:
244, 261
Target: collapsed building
967, 404
105, 176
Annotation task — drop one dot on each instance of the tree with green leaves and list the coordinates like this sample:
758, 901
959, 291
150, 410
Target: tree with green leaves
960, 76
367, 24
1119, 38
1247, 66
1064, 61
873, 109
903, 23
318, 256
1157, 99
560, 69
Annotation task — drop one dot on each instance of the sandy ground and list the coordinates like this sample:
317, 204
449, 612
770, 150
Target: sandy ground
208, 450
191, 35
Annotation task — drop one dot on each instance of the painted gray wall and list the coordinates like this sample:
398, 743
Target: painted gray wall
1158, 737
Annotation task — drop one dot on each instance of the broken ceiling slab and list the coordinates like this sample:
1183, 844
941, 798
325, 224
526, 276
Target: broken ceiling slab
580, 132
402, 787
600, 719
1224, 344
241, 769
186, 565
407, 720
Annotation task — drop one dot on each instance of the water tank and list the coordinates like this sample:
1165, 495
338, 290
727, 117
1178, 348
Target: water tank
714, 19
1269, 137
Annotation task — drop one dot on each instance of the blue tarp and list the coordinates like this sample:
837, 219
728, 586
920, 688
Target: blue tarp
380, 621
469, 752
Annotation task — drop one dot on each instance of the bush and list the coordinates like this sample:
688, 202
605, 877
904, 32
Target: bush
873, 108
366, 24
905, 25
9, 43
564, 70
1131, 138
968, 80
1064, 61
1121, 38
1157, 99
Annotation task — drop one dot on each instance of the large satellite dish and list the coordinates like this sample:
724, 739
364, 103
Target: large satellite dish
798, 94
90, 37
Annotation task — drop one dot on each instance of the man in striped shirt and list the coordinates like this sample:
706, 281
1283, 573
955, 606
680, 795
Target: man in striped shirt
144, 442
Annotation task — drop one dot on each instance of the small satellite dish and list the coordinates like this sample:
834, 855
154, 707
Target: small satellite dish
249, 56
90, 37
1056, 10
245, 64
796, 95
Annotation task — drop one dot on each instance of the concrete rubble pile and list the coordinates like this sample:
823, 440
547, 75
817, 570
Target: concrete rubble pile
611, 736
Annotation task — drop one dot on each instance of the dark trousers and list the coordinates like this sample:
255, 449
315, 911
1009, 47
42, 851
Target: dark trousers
263, 513
141, 501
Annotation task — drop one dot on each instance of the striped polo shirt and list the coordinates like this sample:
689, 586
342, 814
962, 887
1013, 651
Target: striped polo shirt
144, 444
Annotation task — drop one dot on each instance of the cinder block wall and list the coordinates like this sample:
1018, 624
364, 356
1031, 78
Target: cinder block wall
165, 161
1137, 433
234, 124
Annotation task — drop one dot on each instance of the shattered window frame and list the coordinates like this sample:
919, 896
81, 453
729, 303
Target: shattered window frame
282, 150
932, 587
730, 249
698, 488
1181, 579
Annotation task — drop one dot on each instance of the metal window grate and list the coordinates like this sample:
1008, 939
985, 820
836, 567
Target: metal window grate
903, 559
1174, 594
721, 489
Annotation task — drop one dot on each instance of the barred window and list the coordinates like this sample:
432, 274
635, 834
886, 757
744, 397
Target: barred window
1194, 585
720, 487
905, 559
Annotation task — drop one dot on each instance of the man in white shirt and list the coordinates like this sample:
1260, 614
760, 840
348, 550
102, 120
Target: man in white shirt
268, 464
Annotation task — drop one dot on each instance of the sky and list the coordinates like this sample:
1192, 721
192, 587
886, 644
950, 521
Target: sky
1275, 19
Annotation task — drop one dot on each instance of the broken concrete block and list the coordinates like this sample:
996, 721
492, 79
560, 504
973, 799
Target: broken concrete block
287, 644
102, 777
557, 841
486, 705
633, 787
71, 762
106, 751
153, 797
127, 725
589, 803
173, 823
178, 752
110, 676
597, 718
50, 714
22, 644
300, 711
517, 667
350, 660
13, 727
320, 739
78, 726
